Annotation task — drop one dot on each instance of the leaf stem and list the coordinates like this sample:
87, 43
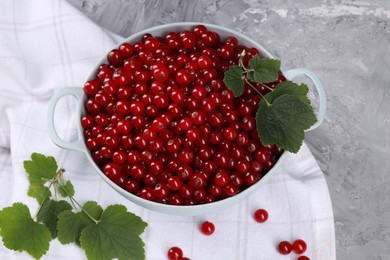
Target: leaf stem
75, 201
269, 88
43, 202
262, 96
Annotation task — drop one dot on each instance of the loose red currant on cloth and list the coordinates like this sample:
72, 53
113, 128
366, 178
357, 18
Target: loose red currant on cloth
261, 215
175, 253
303, 257
284, 248
299, 246
207, 228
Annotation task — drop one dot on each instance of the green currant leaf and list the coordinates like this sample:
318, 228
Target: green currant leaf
116, 235
289, 87
66, 190
20, 232
283, 121
49, 214
263, 70
40, 168
70, 224
39, 191
234, 80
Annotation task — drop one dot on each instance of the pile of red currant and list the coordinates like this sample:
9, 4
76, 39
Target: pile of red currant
161, 123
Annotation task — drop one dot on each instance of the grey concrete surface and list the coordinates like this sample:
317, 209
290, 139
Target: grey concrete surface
347, 43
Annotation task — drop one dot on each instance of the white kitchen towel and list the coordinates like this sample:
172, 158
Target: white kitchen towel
48, 45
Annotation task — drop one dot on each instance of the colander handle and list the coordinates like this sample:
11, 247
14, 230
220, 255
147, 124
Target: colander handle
291, 74
78, 93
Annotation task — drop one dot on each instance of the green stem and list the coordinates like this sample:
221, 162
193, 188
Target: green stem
60, 187
254, 88
44, 200
271, 89
75, 201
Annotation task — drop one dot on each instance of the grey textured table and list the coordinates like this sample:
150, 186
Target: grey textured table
347, 43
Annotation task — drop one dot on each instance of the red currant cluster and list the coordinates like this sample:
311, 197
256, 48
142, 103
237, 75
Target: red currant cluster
161, 123
298, 246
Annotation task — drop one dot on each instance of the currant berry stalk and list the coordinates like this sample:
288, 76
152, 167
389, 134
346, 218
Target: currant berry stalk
58, 184
244, 77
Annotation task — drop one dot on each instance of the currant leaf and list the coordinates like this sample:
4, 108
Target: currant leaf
66, 190
283, 121
49, 214
40, 168
289, 87
234, 80
263, 70
39, 191
21, 233
116, 235
70, 224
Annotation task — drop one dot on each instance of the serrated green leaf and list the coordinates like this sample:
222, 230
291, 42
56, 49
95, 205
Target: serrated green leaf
234, 81
70, 224
284, 121
49, 214
40, 168
21, 233
66, 190
264, 70
289, 87
38, 191
115, 236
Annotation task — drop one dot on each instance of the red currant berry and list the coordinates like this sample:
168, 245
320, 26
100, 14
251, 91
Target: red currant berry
119, 157
87, 121
161, 74
248, 123
226, 52
147, 193
303, 257
151, 44
183, 77
261, 215
284, 248
262, 155
175, 199
199, 30
174, 183
185, 124
142, 76
222, 159
193, 134
115, 57
177, 96
207, 228
299, 246
204, 62
230, 134
221, 178
197, 180
230, 190
91, 87
188, 41
123, 107
175, 253
111, 170
132, 185
161, 191
137, 108
161, 101
159, 124
126, 50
